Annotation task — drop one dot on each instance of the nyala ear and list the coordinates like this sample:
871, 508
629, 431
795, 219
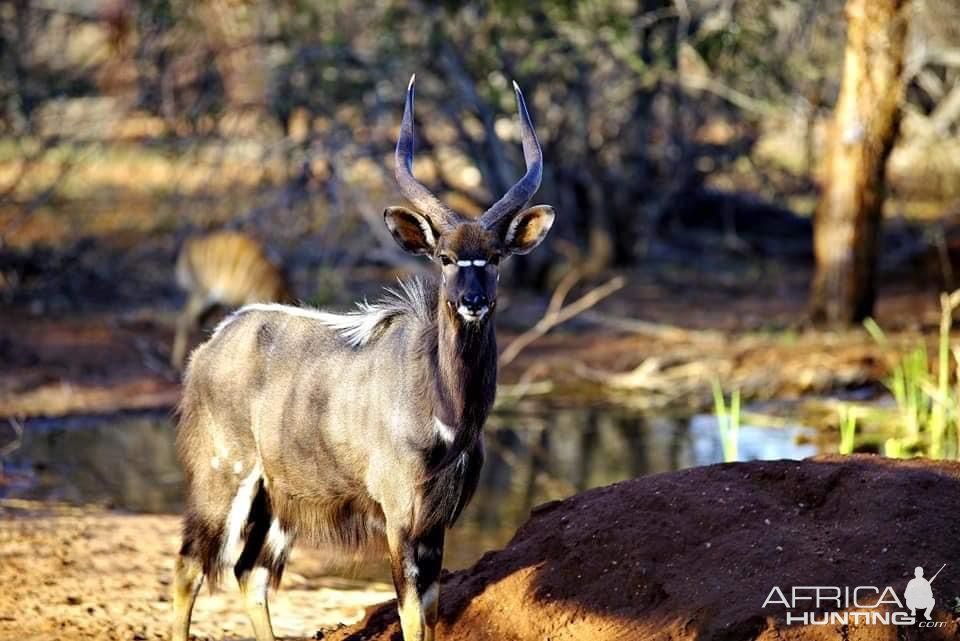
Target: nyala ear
528, 228
411, 230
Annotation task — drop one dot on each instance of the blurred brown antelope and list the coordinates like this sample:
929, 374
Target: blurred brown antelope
226, 268
361, 432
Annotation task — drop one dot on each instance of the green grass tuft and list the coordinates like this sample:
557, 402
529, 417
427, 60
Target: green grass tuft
728, 421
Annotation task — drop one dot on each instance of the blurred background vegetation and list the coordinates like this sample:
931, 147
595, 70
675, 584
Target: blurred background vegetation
690, 151
670, 129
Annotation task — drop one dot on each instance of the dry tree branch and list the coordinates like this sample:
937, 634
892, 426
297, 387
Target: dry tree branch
660, 331
723, 91
557, 313
527, 385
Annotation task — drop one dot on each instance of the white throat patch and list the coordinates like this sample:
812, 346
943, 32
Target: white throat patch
470, 316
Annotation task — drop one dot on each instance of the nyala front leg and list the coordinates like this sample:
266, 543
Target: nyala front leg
415, 563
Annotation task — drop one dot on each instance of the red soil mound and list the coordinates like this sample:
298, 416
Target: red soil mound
694, 555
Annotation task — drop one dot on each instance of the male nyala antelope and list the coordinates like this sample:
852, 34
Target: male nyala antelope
226, 268
359, 433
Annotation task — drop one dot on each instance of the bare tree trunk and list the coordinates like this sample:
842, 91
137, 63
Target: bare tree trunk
866, 120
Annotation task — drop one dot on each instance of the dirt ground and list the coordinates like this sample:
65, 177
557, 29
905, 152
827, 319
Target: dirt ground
86, 574
683, 555
694, 554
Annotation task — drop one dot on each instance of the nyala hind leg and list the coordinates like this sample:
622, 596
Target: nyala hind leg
254, 584
261, 564
188, 577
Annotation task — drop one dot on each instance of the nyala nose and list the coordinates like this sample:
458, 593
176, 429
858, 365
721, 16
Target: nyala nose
474, 302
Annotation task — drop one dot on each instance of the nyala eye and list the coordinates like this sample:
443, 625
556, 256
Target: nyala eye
494, 260
445, 260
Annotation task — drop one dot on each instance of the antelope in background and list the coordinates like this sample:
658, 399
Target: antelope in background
226, 268
362, 432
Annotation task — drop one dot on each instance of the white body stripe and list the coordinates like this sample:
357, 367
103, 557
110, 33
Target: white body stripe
237, 517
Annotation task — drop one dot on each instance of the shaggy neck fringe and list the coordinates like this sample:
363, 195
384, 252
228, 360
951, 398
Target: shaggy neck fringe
363, 325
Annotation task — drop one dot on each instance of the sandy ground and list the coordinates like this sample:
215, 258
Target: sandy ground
687, 555
82, 573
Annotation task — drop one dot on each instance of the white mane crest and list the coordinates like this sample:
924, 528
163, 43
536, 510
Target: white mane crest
360, 326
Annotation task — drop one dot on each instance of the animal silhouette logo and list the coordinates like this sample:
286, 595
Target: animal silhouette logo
861, 605
919, 594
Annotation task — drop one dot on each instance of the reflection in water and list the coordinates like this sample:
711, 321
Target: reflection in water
755, 442
124, 460
534, 455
